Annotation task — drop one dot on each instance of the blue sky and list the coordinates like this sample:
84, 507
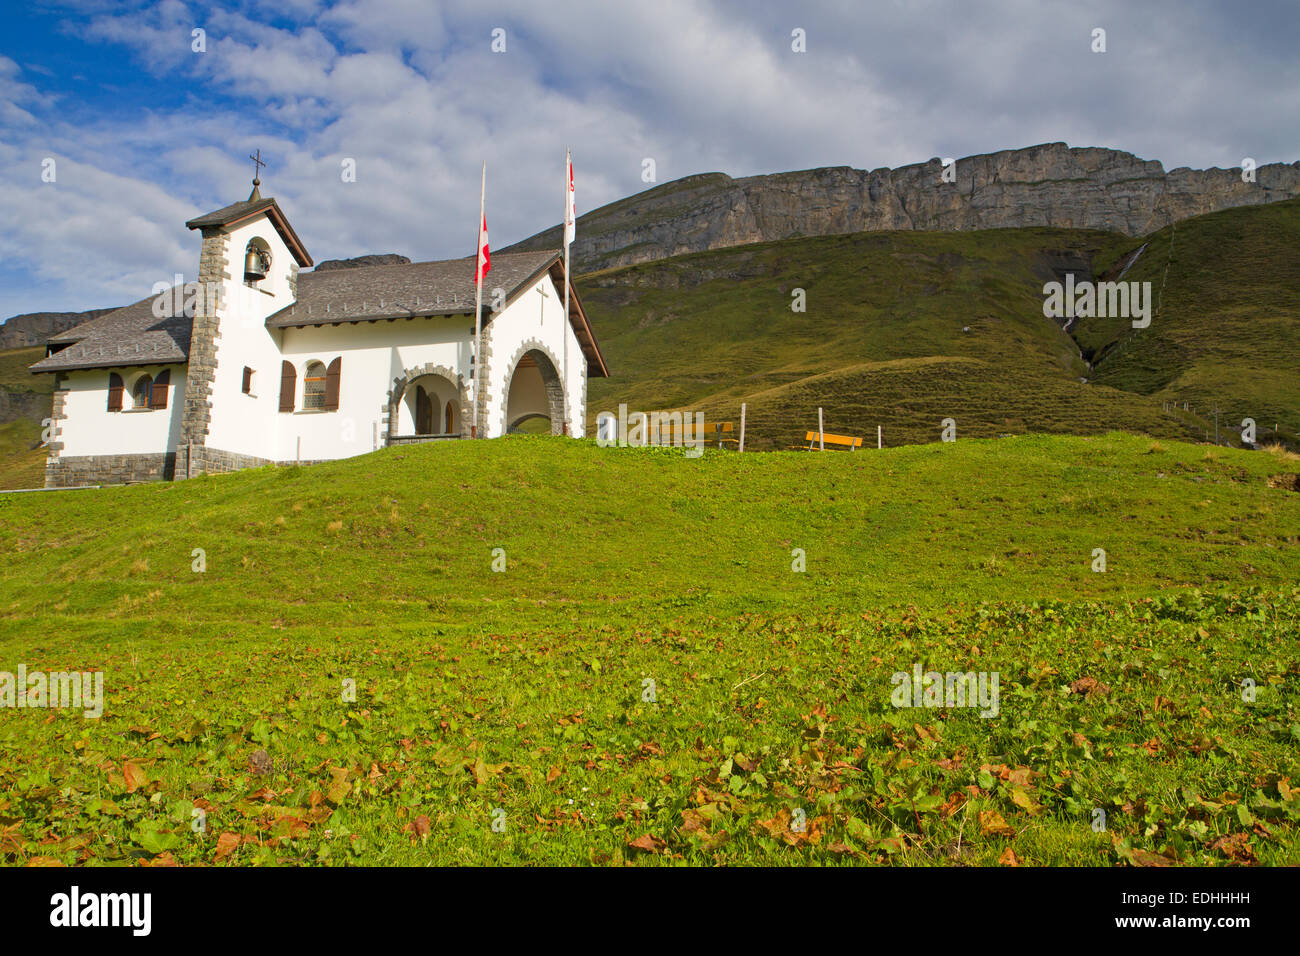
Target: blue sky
145, 132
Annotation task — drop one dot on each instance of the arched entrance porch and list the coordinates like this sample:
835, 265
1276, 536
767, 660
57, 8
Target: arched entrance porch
534, 395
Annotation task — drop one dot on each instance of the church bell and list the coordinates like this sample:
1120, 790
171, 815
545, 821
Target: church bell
254, 267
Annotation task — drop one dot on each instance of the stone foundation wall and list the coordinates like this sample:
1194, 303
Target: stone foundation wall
421, 439
127, 469
108, 469
212, 461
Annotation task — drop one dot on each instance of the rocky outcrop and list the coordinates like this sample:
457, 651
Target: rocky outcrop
25, 331
381, 259
1048, 185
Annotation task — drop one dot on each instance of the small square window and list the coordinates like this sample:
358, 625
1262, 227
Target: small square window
248, 380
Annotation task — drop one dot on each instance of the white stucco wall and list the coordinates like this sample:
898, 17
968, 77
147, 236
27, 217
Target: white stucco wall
374, 354
88, 428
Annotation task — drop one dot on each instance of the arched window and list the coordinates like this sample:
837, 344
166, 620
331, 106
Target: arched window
114, 392
449, 419
313, 386
142, 392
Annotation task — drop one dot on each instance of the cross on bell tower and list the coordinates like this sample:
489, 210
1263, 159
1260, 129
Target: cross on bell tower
257, 170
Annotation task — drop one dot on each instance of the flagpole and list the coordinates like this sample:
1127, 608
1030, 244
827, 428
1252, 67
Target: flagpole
478, 299
564, 328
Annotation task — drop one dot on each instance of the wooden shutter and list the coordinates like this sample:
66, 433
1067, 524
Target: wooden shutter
158, 399
332, 376
288, 386
114, 392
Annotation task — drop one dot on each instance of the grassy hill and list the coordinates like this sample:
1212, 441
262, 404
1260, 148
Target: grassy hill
22, 460
904, 329
1229, 326
648, 678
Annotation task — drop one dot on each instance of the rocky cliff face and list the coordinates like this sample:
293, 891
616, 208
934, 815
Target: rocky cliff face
24, 331
1049, 185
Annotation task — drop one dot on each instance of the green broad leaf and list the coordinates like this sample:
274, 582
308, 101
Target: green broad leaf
928, 803
156, 840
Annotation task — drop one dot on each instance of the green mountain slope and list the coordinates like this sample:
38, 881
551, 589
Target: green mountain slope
909, 398
24, 402
710, 330
1229, 325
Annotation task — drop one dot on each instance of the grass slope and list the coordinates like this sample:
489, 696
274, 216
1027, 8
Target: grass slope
524, 696
909, 398
22, 460
1227, 330
15, 370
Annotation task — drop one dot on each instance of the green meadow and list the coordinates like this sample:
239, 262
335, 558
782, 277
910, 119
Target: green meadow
537, 651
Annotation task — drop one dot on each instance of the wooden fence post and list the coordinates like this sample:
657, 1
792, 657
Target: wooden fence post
742, 426
821, 437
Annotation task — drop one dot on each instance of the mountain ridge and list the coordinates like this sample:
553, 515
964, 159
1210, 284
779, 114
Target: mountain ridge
1051, 184
34, 328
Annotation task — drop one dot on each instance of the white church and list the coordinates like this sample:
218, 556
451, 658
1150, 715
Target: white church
259, 362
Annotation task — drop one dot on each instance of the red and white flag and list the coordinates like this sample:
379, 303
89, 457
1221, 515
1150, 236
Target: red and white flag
484, 255
570, 209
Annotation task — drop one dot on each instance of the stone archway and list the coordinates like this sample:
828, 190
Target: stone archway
533, 389
392, 412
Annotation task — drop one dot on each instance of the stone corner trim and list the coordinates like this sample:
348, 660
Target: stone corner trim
214, 264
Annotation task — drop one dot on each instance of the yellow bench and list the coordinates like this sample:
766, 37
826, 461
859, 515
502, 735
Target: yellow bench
844, 441
668, 436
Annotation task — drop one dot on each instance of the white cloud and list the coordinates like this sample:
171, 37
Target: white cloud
415, 96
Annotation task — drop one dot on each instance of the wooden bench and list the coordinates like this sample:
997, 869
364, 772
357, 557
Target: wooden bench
668, 436
843, 441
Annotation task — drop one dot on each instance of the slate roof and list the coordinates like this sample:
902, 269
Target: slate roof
129, 336
134, 336
372, 293
255, 205
232, 213
399, 291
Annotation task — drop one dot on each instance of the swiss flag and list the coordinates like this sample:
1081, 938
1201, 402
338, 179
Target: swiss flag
484, 255
570, 211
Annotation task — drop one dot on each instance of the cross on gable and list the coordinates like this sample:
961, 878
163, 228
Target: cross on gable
541, 311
